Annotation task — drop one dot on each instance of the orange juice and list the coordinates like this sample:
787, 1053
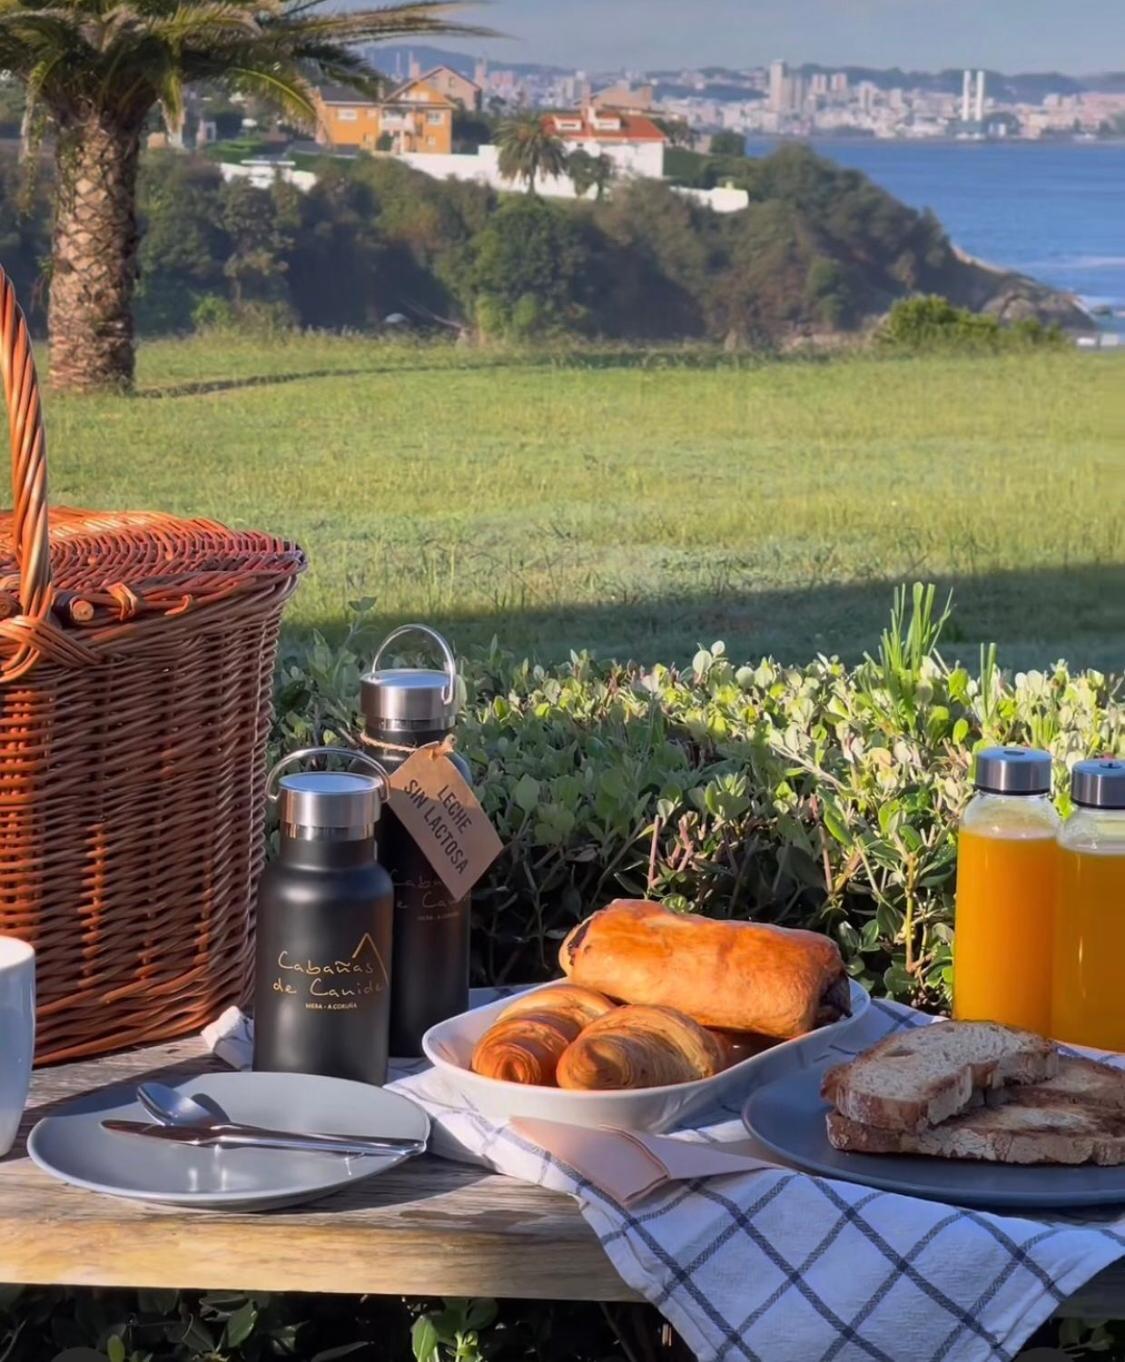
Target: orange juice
1089, 965
1003, 943
1006, 861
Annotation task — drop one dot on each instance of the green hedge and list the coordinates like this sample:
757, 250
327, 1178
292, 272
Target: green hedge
817, 796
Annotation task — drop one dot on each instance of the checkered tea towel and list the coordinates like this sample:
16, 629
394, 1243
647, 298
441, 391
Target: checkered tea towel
778, 1266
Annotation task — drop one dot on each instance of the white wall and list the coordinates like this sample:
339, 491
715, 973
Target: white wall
722, 199
642, 159
265, 174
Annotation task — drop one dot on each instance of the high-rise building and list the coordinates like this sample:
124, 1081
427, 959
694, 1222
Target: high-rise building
818, 83
966, 96
778, 95
480, 75
979, 111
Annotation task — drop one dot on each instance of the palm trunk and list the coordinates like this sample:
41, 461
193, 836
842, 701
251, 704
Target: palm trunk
94, 260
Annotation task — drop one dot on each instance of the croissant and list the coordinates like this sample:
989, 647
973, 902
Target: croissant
525, 1049
525, 1042
568, 1000
734, 976
640, 1047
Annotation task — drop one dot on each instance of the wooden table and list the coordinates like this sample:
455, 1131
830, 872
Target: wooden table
428, 1228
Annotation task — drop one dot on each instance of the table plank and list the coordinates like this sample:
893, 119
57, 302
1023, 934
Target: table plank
427, 1228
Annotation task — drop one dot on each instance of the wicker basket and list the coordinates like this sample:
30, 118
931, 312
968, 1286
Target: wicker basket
136, 669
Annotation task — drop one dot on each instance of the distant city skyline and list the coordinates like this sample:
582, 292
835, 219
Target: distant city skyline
1082, 36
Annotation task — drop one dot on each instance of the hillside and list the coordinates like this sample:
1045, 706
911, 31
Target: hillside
821, 252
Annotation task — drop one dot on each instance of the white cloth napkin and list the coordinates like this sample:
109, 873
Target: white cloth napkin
771, 1265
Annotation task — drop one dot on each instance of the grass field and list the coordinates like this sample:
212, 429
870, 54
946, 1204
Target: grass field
639, 505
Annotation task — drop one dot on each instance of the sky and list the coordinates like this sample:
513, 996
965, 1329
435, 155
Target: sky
1074, 36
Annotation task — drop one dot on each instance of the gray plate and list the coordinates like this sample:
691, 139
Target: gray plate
787, 1117
73, 1146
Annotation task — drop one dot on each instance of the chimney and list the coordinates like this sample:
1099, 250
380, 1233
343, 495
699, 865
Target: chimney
980, 97
966, 96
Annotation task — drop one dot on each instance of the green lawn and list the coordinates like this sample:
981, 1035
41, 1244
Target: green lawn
640, 505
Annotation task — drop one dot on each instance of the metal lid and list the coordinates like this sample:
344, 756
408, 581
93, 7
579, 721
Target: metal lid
1099, 783
326, 801
1013, 771
334, 805
402, 699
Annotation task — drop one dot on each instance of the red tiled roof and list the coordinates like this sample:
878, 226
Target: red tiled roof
634, 128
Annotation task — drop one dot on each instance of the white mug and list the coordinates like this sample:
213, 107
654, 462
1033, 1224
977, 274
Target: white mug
17, 1033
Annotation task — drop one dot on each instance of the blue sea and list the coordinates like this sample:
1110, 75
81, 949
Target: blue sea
1054, 210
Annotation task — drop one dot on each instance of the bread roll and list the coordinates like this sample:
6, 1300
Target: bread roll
640, 1047
525, 1049
734, 976
582, 1005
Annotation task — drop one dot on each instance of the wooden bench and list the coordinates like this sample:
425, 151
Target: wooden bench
429, 1228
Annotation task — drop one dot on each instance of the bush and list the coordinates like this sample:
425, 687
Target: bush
816, 796
933, 323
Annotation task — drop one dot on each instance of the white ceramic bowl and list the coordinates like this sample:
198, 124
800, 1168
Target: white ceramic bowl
449, 1048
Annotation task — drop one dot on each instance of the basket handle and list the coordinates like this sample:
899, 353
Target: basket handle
29, 488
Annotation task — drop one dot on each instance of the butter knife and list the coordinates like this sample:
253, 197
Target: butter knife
256, 1137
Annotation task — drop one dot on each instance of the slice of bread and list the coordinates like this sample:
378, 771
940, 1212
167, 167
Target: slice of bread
915, 1079
1061, 1132
1079, 1082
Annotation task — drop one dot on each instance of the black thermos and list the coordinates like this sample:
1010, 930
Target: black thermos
325, 918
405, 708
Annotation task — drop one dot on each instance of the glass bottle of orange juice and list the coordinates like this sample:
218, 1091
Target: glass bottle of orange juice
1006, 859
1089, 968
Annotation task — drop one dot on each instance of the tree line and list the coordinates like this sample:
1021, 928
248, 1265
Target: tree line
820, 249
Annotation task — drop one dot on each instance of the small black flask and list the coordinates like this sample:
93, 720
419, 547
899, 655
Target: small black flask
324, 928
405, 708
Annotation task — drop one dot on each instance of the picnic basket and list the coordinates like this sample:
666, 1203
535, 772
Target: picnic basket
136, 668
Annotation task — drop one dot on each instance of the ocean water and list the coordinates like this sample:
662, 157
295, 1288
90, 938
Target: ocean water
1054, 210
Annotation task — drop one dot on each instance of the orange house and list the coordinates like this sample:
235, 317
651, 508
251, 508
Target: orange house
346, 119
414, 118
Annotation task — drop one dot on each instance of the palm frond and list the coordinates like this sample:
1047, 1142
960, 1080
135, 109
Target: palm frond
289, 91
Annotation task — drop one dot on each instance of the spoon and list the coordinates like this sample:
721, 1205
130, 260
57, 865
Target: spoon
172, 1108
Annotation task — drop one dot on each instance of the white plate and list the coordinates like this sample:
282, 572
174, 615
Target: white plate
74, 1147
449, 1048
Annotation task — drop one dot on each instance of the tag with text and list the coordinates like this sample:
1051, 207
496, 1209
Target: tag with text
436, 805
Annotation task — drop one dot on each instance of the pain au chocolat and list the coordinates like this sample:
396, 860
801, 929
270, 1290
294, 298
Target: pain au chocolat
733, 976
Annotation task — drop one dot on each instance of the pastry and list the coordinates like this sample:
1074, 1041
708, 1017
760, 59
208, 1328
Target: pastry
583, 1005
526, 1048
641, 1047
734, 976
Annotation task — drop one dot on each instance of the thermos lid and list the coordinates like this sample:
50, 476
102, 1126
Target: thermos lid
337, 806
1099, 783
1013, 770
402, 699
329, 801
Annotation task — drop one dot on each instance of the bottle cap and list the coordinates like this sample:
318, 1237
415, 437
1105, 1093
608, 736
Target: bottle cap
338, 805
410, 699
330, 806
1013, 771
1099, 783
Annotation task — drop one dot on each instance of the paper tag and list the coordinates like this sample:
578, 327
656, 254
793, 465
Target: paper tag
433, 801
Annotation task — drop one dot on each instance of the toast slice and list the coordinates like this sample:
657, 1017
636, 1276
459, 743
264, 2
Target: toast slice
1060, 1133
915, 1079
1079, 1082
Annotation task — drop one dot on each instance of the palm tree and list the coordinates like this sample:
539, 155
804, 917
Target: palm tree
98, 68
589, 172
528, 149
